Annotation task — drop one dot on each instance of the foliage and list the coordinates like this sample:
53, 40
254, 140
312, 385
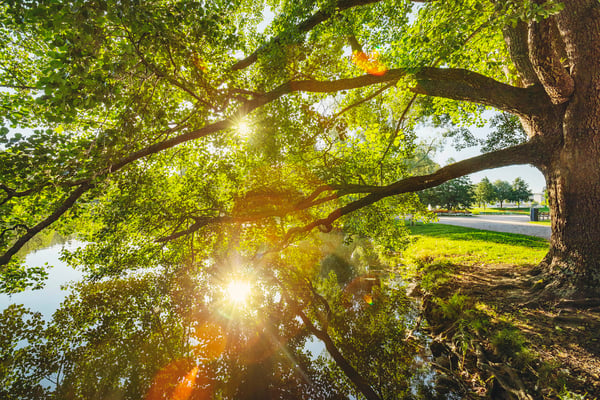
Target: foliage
521, 191
373, 312
20, 337
179, 138
456, 193
508, 132
140, 335
137, 128
484, 192
504, 191
505, 130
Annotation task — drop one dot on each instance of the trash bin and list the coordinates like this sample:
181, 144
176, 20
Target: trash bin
534, 214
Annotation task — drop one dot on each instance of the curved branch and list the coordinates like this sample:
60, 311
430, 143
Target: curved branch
456, 84
522, 154
11, 193
199, 223
451, 83
13, 228
286, 88
289, 87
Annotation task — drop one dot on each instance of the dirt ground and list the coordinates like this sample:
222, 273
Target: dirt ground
562, 338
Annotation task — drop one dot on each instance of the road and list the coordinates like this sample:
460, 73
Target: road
500, 223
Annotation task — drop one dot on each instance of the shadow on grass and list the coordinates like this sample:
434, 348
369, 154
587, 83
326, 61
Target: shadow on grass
452, 232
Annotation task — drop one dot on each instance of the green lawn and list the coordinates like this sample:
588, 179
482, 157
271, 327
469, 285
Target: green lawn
505, 210
472, 246
540, 223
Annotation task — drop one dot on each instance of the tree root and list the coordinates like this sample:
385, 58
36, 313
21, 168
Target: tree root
579, 303
505, 375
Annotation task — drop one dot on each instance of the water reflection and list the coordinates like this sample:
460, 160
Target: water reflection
163, 335
48, 299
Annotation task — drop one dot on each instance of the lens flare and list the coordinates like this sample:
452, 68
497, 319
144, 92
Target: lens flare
184, 388
369, 63
211, 340
179, 380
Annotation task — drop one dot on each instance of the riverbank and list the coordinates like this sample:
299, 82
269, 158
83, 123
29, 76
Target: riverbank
490, 336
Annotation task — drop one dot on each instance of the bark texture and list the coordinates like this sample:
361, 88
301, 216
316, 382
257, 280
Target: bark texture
572, 162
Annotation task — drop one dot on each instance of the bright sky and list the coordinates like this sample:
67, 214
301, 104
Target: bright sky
529, 174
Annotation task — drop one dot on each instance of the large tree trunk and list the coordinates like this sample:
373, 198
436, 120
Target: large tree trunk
561, 55
573, 182
574, 198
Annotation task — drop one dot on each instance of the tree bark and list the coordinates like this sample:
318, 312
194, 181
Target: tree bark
572, 165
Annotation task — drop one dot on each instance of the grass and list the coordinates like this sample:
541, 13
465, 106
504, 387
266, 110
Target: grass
547, 223
457, 244
505, 210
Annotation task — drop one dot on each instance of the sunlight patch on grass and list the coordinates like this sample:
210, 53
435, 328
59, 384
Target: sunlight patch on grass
473, 246
505, 210
546, 223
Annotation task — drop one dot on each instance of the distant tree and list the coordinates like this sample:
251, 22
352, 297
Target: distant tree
520, 191
457, 193
503, 191
484, 192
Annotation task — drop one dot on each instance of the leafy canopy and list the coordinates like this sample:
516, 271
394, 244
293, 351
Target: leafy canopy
157, 131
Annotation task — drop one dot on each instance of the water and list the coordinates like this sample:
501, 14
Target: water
47, 299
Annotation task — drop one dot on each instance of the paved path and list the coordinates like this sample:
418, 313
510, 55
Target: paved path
500, 223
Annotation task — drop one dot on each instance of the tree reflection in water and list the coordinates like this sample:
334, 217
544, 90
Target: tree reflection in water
183, 333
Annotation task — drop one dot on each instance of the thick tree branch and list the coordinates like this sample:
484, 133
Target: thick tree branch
545, 58
522, 154
451, 83
286, 88
289, 87
281, 208
461, 84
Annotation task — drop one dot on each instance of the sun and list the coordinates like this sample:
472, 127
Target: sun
238, 292
243, 129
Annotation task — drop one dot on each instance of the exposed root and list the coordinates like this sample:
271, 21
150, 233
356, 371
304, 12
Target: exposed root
585, 303
559, 336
